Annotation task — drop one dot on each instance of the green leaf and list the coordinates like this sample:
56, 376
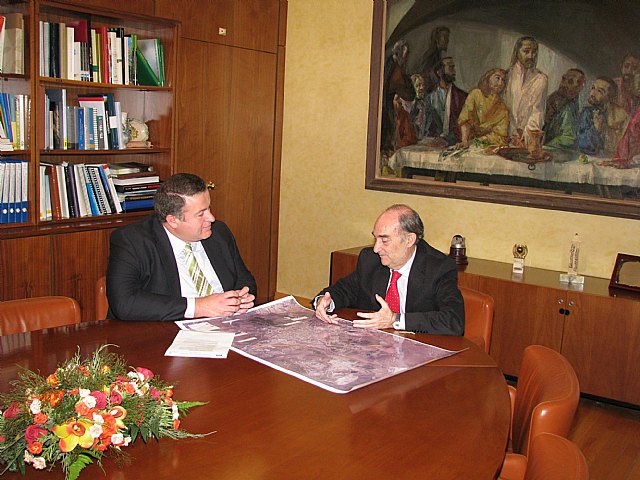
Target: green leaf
77, 466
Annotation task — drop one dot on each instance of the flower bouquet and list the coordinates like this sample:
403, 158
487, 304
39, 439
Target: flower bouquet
84, 410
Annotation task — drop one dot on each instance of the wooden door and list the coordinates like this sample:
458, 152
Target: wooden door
79, 259
25, 267
523, 315
226, 125
602, 340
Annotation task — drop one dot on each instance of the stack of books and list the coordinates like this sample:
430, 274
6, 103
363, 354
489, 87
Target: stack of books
76, 190
15, 112
136, 185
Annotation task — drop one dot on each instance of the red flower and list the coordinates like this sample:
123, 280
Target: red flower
34, 448
146, 373
101, 399
33, 433
2, 438
13, 410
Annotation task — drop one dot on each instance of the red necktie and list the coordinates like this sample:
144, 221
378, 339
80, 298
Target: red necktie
393, 297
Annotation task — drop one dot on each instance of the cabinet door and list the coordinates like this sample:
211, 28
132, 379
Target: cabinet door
25, 267
601, 340
79, 259
226, 125
249, 24
144, 7
523, 315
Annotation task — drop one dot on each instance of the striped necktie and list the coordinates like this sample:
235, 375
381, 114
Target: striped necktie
393, 297
203, 287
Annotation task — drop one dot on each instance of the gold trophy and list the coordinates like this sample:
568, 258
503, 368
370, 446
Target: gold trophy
520, 251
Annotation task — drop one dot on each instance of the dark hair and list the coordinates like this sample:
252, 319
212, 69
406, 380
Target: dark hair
170, 197
518, 45
483, 83
408, 219
613, 88
439, 68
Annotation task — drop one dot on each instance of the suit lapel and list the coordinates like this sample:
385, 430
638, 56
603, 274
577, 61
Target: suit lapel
415, 286
167, 258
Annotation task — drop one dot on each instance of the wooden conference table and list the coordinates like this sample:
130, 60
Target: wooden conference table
446, 420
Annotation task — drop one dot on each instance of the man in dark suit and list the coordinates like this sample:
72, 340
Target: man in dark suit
179, 262
427, 287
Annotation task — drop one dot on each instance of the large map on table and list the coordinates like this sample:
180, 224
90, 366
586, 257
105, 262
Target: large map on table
338, 358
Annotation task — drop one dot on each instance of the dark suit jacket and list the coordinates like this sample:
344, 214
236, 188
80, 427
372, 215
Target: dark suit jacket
434, 303
142, 277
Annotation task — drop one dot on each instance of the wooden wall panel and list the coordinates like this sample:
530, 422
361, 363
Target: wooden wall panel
79, 259
249, 24
144, 7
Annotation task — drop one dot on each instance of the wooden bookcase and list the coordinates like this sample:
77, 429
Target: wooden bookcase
65, 257
597, 330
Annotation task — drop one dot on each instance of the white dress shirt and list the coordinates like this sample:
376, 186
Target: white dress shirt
187, 287
403, 283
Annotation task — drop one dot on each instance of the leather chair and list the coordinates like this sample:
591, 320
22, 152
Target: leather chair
478, 313
546, 398
102, 304
550, 458
25, 315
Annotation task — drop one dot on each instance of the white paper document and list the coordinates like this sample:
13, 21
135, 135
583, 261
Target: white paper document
200, 344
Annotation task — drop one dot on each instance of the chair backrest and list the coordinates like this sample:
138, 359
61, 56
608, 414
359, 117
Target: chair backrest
27, 314
478, 317
102, 304
546, 398
555, 458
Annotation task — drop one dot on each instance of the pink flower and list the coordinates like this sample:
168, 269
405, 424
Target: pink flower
101, 400
146, 373
2, 438
115, 398
33, 433
155, 394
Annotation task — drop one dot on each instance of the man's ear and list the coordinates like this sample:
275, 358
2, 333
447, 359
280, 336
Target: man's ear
412, 239
172, 221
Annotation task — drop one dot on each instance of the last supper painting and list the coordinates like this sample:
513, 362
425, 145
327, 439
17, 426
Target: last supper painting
533, 103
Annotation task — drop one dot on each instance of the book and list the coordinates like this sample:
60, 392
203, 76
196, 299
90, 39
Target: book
98, 104
148, 187
153, 179
62, 191
98, 189
58, 105
84, 208
91, 194
72, 195
133, 205
119, 169
13, 45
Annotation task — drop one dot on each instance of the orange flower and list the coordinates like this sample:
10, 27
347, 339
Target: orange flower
176, 424
83, 370
40, 418
35, 448
55, 397
72, 434
129, 388
105, 369
52, 380
84, 411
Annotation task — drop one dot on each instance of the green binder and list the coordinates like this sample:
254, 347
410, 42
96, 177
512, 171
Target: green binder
146, 75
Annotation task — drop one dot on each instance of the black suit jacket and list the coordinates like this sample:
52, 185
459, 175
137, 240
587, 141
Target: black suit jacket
142, 276
434, 303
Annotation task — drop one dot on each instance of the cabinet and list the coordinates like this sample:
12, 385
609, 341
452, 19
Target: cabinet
66, 257
230, 101
598, 333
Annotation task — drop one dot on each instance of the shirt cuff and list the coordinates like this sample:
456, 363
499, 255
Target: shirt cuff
332, 305
191, 308
399, 323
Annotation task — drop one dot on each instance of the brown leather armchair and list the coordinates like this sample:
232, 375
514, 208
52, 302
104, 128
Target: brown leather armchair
550, 458
545, 401
102, 304
478, 314
25, 315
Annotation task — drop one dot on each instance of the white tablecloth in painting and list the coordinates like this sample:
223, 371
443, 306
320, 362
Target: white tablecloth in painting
560, 169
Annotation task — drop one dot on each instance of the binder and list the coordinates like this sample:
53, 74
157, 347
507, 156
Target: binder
146, 75
91, 194
24, 199
4, 192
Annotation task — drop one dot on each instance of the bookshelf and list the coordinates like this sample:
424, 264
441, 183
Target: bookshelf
59, 246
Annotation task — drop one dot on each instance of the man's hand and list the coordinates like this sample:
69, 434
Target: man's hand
323, 303
224, 304
383, 318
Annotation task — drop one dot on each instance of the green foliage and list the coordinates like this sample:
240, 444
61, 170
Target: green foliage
99, 402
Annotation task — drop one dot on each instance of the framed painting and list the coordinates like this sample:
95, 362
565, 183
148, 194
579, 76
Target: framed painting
520, 102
